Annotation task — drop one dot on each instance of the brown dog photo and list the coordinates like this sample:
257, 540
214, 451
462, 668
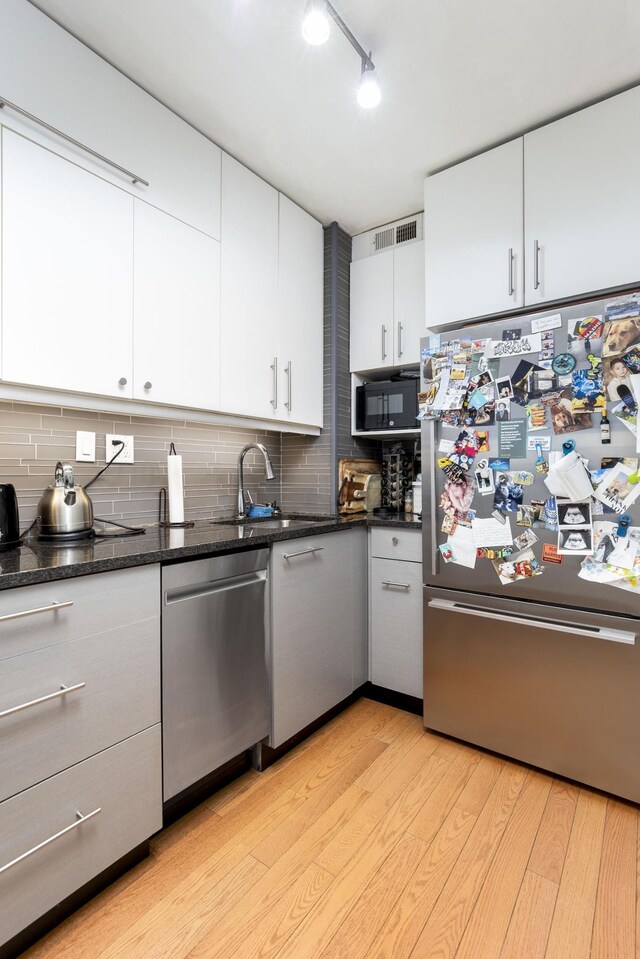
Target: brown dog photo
619, 335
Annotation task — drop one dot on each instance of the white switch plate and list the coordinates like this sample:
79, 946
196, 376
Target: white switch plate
85, 447
126, 456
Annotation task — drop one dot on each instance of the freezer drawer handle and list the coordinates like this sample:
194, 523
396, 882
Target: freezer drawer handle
34, 612
613, 635
46, 842
303, 552
43, 699
386, 582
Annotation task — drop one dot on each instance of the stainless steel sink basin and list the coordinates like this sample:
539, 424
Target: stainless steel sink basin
286, 523
271, 524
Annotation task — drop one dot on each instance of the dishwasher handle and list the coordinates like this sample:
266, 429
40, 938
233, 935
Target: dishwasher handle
195, 591
593, 632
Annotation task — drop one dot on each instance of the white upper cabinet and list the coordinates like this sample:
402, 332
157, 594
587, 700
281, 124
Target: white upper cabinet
176, 312
81, 95
473, 229
387, 308
371, 322
67, 268
408, 301
300, 315
582, 201
249, 374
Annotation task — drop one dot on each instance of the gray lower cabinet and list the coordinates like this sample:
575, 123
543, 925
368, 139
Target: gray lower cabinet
80, 743
318, 627
396, 625
48, 848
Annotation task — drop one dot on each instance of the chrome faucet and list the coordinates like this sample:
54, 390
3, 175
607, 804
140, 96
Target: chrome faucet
244, 496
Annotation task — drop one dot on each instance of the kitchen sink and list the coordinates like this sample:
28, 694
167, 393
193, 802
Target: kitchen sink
270, 523
286, 523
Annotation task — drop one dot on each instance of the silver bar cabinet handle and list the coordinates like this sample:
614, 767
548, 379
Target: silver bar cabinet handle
34, 612
303, 552
511, 286
42, 699
399, 339
76, 143
274, 367
384, 342
536, 265
288, 372
386, 582
74, 825
614, 635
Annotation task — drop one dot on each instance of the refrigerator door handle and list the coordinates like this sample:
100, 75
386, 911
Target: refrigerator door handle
432, 485
592, 632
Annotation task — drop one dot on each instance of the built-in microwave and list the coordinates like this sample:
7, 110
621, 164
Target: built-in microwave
387, 405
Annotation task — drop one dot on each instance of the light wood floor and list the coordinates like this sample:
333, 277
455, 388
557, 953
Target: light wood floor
376, 839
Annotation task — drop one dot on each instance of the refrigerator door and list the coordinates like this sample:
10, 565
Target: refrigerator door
558, 584
545, 685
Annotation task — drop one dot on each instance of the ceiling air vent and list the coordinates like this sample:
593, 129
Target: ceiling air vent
382, 239
407, 231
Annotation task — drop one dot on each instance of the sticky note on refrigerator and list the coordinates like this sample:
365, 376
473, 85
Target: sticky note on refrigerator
463, 547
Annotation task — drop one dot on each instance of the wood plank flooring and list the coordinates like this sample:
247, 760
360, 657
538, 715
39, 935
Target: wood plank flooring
377, 839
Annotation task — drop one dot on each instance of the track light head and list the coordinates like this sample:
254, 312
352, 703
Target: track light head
315, 26
369, 94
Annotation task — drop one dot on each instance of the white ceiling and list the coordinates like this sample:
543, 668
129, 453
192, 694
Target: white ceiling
457, 76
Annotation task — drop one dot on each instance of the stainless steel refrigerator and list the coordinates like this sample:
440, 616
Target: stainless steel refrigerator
544, 669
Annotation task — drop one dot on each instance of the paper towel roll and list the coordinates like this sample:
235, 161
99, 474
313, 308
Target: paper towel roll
175, 489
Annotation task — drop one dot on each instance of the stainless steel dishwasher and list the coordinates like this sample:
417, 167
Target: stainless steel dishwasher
215, 690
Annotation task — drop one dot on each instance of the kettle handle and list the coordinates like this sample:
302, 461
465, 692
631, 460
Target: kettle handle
67, 473
59, 474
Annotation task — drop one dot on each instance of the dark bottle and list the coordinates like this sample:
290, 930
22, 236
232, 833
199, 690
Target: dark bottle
605, 427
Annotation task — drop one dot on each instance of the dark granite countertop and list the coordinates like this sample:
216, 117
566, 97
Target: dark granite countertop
39, 562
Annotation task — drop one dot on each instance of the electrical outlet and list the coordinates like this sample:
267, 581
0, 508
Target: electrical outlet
126, 456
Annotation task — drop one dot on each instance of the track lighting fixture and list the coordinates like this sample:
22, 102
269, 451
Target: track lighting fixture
316, 29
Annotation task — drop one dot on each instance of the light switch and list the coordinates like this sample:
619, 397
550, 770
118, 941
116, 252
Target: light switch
85, 447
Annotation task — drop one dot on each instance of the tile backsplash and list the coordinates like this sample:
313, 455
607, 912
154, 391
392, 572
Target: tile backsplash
33, 438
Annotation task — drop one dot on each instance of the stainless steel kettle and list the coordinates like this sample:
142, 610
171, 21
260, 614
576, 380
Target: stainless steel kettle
64, 507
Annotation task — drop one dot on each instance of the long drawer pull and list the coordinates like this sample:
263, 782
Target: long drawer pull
74, 825
43, 699
386, 582
592, 632
76, 143
34, 612
303, 552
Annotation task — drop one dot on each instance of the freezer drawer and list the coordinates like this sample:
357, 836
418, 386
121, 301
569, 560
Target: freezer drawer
553, 687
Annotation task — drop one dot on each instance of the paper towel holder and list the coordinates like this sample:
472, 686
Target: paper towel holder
163, 512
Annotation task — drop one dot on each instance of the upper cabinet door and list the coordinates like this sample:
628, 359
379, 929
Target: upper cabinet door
408, 302
371, 330
83, 96
300, 314
582, 201
67, 242
176, 312
473, 233
249, 382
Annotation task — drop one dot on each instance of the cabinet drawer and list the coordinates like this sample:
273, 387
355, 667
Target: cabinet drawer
396, 626
106, 703
123, 782
403, 544
88, 604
